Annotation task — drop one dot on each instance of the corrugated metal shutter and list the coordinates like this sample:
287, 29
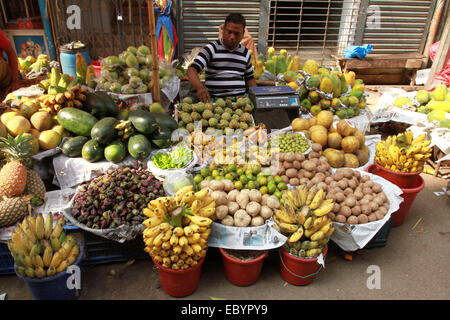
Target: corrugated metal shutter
403, 26
316, 29
201, 19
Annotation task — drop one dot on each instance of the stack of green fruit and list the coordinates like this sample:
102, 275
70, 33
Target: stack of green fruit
114, 135
291, 142
179, 157
130, 72
245, 177
224, 116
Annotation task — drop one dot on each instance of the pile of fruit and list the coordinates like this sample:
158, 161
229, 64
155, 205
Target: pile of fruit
304, 220
343, 144
297, 169
116, 198
40, 64
276, 64
243, 177
403, 152
20, 185
434, 104
240, 208
72, 98
39, 250
131, 72
110, 138
223, 116
290, 142
177, 229
357, 199
179, 157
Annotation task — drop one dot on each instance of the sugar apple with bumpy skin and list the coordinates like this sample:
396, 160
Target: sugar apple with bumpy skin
207, 114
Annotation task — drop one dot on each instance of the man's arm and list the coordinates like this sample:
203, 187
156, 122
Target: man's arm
195, 81
5, 45
249, 73
251, 83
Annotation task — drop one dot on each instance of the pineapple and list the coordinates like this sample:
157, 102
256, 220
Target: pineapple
13, 210
16, 176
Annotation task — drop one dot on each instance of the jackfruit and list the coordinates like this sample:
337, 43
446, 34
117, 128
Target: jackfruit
311, 67
326, 85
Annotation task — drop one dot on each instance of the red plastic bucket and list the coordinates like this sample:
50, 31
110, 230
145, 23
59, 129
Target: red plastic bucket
400, 179
299, 271
97, 67
180, 283
408, 195
242, 273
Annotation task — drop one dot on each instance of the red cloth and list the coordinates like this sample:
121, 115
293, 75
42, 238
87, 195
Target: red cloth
4, 43
442, 76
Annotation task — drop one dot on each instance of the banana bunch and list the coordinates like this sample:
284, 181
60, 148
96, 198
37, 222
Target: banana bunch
39, 250
177, 229
304, 219
124, 129
403, 153
201, 145
72, 98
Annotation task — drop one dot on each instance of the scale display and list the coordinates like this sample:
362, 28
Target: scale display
274, 97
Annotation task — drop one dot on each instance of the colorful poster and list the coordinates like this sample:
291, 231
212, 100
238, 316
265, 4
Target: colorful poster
29, 45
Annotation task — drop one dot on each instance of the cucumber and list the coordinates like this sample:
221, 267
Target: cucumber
111, 108
115, 152
104, 130
163, 119
72, 147
92, 151
143, 122
76, 121
139, 147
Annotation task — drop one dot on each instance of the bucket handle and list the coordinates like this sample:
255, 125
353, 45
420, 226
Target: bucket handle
296, 275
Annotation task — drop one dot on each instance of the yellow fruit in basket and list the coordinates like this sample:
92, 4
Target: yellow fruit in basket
350, 144
351, 160
300, 124
325, 118
317, 127
334, 140
6, 116
42, 120
319, 136
17, 125
49, 139
61, 131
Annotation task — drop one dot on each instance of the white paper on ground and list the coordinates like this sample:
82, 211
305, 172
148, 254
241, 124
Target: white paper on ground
353, 237
263, 237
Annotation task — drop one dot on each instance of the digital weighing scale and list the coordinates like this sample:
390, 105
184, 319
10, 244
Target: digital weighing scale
275, 106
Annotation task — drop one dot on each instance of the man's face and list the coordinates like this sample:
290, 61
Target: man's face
232, 35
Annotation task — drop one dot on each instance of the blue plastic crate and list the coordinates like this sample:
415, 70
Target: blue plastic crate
98, 250
380, 239
6, 260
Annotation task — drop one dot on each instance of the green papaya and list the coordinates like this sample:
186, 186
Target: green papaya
115, 152
104, 130
92, 151
139, 147
143, 122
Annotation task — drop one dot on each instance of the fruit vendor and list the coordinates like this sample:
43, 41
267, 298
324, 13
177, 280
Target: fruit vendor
227, 64
9, 74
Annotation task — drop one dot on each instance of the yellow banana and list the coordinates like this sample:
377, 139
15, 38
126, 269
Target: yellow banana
177, 249
324, 208
188, 249
32, 223
163, 227
194, 227
28, 231
419, 139
151, 222
58, 227
178, 231
311, 193
183, 241
283, 216
167, 235
308, 223
207, 212
313, 252
199, 195
194, 238
62, 266
188, 198
56, 260
40, 227
48, 226
296, 236
173, 240
318, 197
51, 271
288, 227
409, 137
180, 193
302, 194
166, 245
196, 247
157, 242
39, 272
37, 261
201, 221
47, 256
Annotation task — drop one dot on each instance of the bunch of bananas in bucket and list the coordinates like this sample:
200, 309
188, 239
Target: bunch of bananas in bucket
403, 153
177, 229
303, 218
41, 250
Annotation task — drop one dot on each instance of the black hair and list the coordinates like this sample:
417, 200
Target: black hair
235, 18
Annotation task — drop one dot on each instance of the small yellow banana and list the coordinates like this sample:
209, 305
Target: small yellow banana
318, 197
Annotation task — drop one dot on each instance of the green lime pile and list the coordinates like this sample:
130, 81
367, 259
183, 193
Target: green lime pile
248, 177
292, 142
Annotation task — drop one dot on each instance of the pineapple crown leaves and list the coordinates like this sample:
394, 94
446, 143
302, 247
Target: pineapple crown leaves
17, 149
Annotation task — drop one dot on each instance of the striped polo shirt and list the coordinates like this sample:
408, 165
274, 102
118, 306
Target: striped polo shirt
226, 72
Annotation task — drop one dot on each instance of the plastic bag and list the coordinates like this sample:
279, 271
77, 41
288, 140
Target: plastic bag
357, 51
175, 181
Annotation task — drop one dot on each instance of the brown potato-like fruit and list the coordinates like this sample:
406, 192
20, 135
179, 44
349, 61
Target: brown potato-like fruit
340, 218
352, 220
372, 217
362, 218
356, 210
345, 211
294, 182
336, 208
